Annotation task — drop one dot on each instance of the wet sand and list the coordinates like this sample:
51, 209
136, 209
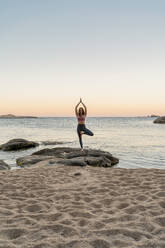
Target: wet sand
89, 207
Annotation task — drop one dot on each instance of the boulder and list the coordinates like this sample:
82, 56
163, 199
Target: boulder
17, 144
69, 156
4, 166
27, 161
160, 120
74, 156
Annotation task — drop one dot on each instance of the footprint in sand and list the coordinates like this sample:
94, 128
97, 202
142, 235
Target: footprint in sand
122, 205
5, 212
13, 233
120, 243
34, 208
83, 222
162, 204
43, 245
100, 243
66, 222
98, 225
160, 221
142, 198
59, 229
81, 214
161, 194
75, 244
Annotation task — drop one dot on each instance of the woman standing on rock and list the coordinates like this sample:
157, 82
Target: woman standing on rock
81, 114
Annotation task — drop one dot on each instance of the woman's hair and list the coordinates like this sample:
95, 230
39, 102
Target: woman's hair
81, 109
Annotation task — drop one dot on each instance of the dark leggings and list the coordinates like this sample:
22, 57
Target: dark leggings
80, 128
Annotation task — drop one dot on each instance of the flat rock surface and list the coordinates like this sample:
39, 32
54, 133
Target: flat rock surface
70, 156
17, 144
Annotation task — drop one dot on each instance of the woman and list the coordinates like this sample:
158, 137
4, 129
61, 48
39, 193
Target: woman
81, 128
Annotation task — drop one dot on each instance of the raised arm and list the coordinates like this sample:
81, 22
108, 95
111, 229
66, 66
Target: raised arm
84, 107
76, 110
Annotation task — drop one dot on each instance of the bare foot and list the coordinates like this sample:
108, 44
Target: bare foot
82, 149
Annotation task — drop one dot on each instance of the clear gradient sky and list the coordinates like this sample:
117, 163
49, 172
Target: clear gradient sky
109, 52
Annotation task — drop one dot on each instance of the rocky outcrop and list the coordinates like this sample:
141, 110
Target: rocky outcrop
160, 120
4, 166
27, 161
70, 156
9, 116
17, 144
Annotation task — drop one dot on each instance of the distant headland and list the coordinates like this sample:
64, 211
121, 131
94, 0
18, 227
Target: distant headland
10, 116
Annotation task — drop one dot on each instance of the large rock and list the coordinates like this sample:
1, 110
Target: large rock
17, 144
74, 156
4, 166
160, 120
69, 156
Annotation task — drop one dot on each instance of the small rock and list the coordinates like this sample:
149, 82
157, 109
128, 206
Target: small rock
77, 174
4, 166
160, 120
98, 161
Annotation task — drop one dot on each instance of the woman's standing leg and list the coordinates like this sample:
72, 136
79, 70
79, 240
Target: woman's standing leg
80, 137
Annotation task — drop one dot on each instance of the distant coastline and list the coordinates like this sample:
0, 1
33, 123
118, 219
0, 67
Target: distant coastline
10, 116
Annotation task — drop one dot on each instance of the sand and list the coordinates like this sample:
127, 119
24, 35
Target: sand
73, 207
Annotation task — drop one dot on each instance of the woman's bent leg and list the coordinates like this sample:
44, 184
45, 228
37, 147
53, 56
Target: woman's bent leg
88, 132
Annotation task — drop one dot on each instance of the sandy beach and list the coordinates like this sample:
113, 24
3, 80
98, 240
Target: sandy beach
89, 207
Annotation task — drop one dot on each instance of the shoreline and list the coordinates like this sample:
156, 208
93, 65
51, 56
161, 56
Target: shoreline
67, 206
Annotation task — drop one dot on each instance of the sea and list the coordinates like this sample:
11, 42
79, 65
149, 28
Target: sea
136, 141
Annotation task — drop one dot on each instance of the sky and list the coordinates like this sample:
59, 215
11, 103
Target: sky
109, 52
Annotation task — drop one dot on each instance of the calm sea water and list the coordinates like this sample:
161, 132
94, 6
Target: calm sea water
137, 142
